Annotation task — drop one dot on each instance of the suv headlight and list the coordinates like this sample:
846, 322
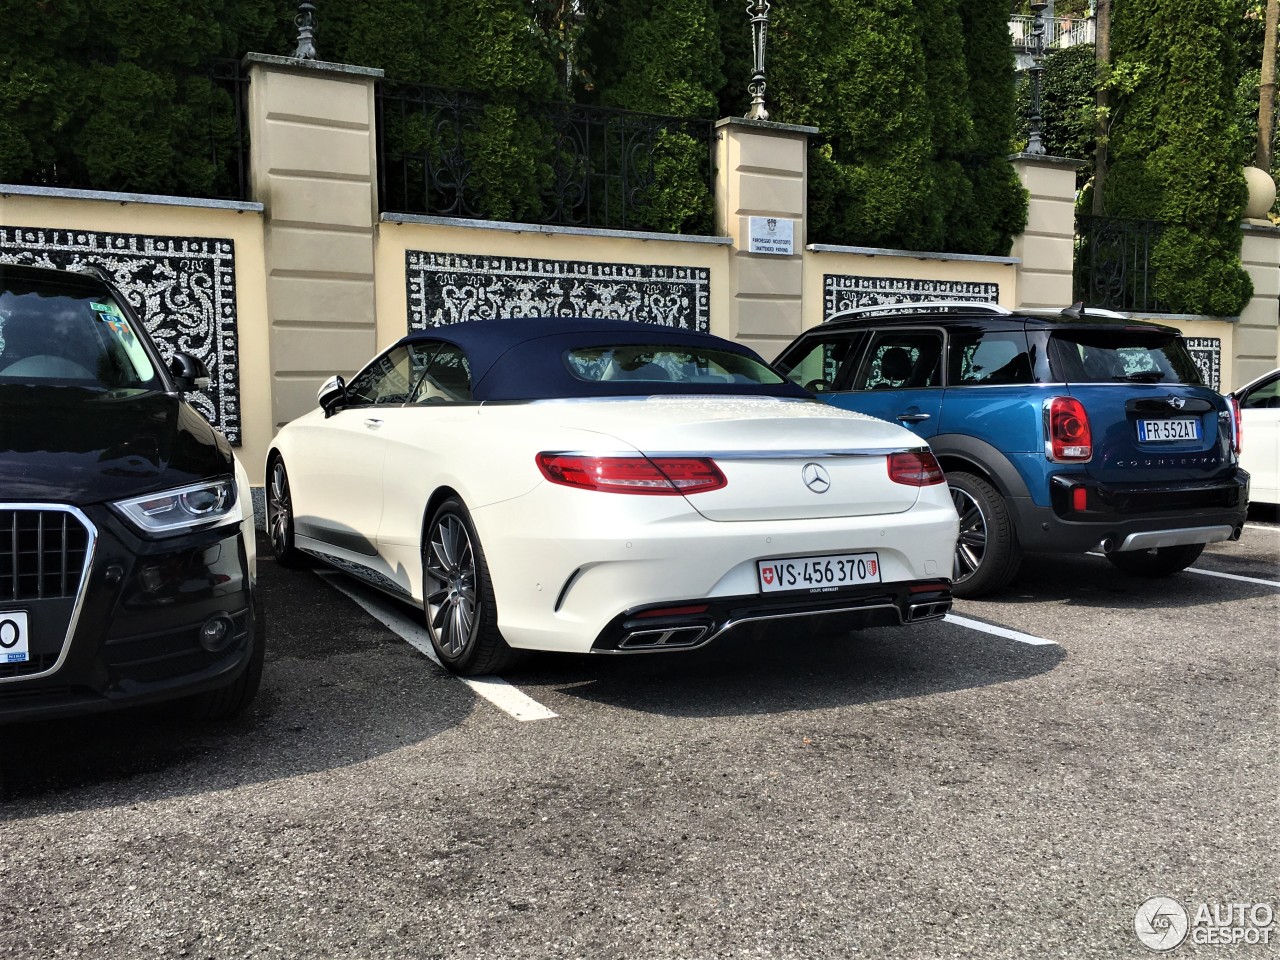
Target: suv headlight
182, 510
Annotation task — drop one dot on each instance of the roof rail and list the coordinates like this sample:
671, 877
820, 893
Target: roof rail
925, 306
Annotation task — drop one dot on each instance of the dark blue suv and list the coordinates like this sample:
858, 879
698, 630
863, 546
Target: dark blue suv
1058, 430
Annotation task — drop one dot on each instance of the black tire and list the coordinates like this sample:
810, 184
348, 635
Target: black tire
280, 516
1161, 562
457, 596
233, 699
988, 555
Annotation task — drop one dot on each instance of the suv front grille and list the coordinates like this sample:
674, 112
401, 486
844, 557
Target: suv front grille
42, 554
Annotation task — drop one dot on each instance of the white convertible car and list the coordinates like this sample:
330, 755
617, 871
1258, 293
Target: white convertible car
606, 486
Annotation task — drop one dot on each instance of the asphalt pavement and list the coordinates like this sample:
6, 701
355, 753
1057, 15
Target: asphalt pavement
936, 791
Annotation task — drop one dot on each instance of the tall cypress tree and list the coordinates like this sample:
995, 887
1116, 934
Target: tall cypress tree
855, 69
998, 211
1174, 154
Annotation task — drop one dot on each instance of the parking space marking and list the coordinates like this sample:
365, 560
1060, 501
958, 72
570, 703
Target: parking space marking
1234, 576
497, 691
999, 631
1215, 573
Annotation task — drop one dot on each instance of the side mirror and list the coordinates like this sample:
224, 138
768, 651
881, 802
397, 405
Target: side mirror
332, 395
189, 373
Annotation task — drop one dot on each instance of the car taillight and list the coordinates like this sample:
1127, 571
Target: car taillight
1237, 426
653, 476
1067, 430
915, 468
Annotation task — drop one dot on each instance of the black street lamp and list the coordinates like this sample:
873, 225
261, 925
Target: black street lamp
1034, 145
759, 12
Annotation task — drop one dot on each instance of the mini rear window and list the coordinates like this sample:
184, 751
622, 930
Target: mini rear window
1121, 356
660, 363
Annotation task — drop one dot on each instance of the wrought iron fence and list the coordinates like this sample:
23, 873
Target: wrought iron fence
456, 154
1113, 263
229, 151
219, 134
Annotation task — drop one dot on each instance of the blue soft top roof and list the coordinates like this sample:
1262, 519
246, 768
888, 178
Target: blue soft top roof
523, 359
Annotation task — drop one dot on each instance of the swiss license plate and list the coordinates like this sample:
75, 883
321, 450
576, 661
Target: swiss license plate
818, 573
1182, 429
13, 637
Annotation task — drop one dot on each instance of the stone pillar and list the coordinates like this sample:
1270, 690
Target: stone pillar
1045, 250
1257, 335
314, 166
761, 171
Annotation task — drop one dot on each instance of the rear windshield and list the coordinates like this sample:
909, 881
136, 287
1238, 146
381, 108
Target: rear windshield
656, 363
60, 337
1121, 356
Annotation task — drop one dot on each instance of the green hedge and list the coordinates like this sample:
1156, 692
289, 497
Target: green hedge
1174, 148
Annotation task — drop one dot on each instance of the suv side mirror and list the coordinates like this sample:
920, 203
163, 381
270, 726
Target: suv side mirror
332, 395
189, 373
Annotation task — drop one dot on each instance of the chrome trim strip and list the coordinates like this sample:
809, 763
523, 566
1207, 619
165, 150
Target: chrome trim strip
1181, 536
89, 554
734, 624
745, 454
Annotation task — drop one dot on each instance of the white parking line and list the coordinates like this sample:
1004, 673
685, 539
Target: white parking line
1233, 576
999, 631
497, 691
1215, 573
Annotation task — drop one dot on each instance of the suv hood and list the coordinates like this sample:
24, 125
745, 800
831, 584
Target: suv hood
76, 446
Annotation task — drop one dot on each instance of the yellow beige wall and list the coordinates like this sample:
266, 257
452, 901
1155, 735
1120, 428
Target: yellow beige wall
185, 218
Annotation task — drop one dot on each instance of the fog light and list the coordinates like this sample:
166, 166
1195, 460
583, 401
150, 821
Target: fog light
216, 633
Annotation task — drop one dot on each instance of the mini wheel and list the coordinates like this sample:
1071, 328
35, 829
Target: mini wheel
988, 555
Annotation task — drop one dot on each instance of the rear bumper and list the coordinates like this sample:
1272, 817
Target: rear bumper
1131, 517
649, 630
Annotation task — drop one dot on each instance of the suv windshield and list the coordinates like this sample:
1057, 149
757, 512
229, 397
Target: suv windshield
59, 337
1121, 356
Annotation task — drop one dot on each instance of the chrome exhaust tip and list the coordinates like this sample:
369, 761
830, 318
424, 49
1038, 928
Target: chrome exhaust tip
934, 610
666, 638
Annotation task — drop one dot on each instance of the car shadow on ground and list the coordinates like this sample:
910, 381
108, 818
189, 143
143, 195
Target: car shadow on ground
338, 688
1085, 580
782, 669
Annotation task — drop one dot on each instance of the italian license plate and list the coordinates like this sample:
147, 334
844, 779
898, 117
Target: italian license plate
1155, 430
818, 573
13, 637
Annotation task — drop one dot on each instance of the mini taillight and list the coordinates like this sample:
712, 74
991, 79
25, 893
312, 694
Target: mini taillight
1067, 430
653, 476
1237, 426
915, 468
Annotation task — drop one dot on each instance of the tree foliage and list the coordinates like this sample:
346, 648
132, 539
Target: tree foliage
914, 102
1174, 147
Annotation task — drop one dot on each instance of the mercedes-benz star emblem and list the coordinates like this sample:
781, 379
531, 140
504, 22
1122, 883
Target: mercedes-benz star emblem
816, 478
1177, 403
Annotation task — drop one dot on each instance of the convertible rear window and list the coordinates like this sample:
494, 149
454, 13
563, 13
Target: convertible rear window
658, 363
1118, 355
63, 338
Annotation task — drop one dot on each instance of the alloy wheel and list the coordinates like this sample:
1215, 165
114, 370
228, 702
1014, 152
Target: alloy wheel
451, 597
971, 545
279, 510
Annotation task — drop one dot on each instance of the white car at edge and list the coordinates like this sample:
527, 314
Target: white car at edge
606, 486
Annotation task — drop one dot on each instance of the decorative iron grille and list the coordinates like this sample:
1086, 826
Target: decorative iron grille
455, 154
1113, 263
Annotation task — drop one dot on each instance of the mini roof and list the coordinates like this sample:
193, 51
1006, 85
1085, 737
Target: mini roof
523, 359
